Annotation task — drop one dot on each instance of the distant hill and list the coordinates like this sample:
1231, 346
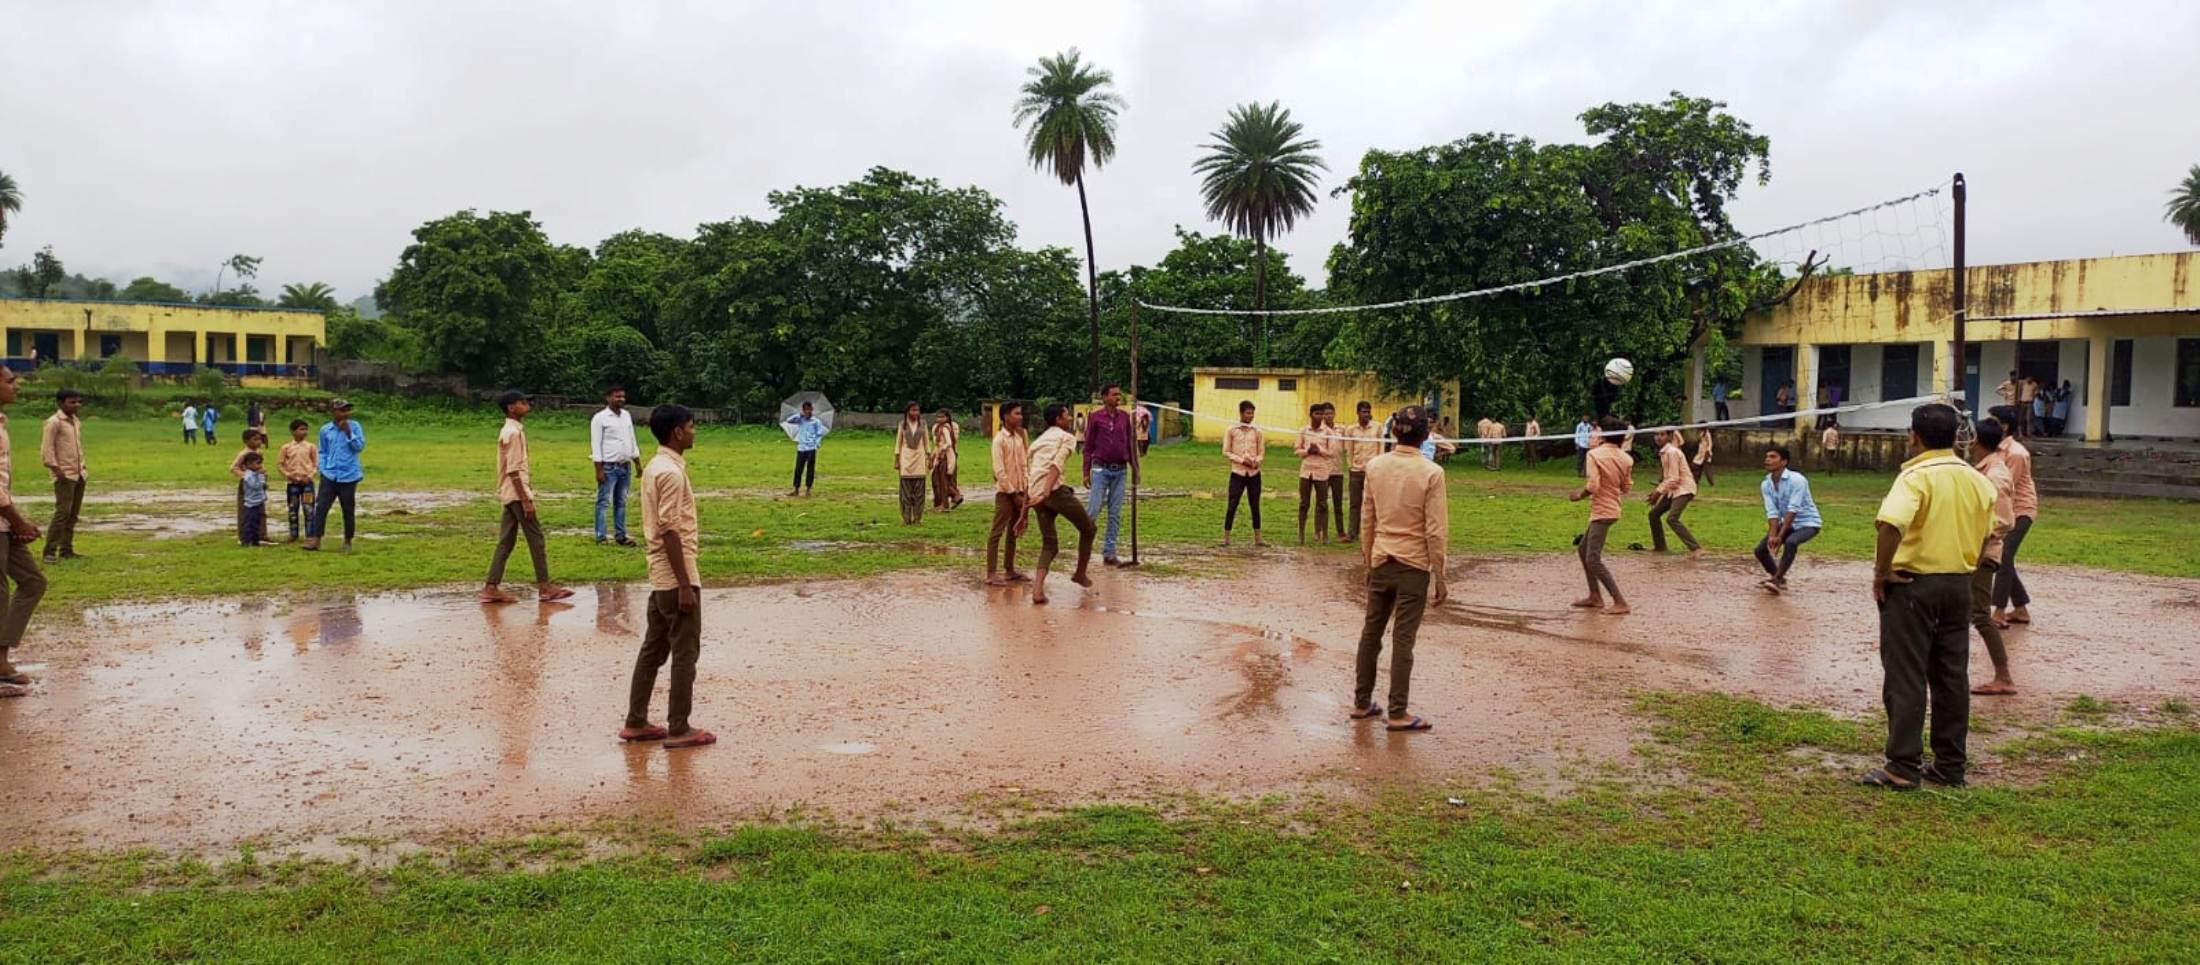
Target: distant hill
365, 306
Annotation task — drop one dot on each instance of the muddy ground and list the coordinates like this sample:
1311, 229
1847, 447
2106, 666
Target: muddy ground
405, 716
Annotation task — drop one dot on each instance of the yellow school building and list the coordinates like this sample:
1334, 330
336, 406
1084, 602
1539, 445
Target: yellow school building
2123, 331
1283, 395
258, 345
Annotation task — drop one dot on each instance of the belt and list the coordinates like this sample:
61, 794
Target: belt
1112, 465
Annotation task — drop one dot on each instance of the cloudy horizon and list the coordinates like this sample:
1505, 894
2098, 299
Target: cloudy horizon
158, 139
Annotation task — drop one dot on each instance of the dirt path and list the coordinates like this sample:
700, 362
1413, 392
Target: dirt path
196, 725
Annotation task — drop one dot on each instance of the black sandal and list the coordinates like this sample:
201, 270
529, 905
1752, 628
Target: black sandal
1368, 712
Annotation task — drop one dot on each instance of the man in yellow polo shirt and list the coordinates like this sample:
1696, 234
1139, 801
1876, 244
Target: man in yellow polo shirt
1931, 528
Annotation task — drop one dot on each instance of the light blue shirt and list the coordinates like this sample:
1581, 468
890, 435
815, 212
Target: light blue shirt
1792, 495
208, 417
808, 432
340, 453
255, 488
1581, 434
1428, 448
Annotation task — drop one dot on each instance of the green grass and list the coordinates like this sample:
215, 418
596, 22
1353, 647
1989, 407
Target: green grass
2100, 861
852, 527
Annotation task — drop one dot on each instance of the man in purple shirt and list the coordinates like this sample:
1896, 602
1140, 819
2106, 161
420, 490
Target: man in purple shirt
1108, 449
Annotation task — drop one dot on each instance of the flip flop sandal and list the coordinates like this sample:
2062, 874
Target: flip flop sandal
693, 738
14, 690
1368, 712
18, 679
647, 734
1413, 724
554, 595
1878, 777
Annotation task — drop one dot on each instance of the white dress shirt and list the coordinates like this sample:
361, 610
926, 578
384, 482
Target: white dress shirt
611, 437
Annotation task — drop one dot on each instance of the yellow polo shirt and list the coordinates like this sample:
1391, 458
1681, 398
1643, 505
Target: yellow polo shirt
1943, 508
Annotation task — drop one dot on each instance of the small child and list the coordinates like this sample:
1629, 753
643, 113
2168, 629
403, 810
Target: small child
252, 525
300, 459
253, 440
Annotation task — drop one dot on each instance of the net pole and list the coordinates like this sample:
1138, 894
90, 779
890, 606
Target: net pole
1137, 402
1962, 317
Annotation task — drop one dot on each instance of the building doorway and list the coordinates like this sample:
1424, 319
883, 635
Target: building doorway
1778, 369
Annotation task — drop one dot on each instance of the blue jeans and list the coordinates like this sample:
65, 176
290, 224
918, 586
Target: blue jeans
611, 494
1107, 487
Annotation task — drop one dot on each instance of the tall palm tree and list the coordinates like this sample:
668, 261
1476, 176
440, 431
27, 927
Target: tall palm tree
1071, 113
317, 297
11, 200
1260, 180
2183, 209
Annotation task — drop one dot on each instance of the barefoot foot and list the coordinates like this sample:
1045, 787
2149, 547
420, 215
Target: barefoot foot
1590, 603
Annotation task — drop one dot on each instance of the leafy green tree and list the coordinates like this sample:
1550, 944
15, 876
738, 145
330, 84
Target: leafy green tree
11, 200
1209, 271
474, 287
244, 296
629, 278
315, 296
379, 339
149, 289
1492, 209
41, 278
2183, 209
1070, 114
1259, 179
243, 266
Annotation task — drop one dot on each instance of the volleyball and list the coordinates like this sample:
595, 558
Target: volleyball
1618, 371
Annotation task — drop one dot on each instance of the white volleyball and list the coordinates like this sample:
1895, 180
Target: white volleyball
1619, 371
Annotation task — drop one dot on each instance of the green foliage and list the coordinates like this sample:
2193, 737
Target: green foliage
1211, 271
477, 289
42, 278
2183, 209
1493, 209
149, 289
351, 336
317, 297
11, 200
1069, 112
211, 384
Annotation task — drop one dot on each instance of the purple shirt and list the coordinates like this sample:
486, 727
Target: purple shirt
1108, 438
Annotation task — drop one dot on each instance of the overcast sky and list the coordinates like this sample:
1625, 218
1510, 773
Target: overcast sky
158, 138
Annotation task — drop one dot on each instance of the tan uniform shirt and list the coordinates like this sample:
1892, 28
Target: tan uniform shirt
1610, 476
1366, 444
1050, 452
1830, 439
299, 461
1405, 516
513, 482
1674, 479
1532, 429
7, 471
944, 437
1011, 462
912, 456
61, 446
668, 506
1317, 456
1703, 447
1244, 447
2019, 459
1997, 472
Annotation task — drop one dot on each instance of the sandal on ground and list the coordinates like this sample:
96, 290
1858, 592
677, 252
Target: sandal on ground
1932, 774
693, 738
650, 733
1878, 777
14, 690
1368, 712
18, 679
1410, 723
554, 593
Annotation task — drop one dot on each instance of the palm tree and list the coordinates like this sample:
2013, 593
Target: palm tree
1260, 181
2183, 208
317, 297
11, 200
1071, 115
245, 266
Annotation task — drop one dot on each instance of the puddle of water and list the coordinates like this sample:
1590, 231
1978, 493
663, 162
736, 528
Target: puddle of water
848, 747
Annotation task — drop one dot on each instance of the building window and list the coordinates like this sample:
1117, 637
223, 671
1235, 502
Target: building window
1237, 382
2188, 372
110, 346
1833, 370
2040, 360
1287, 385
1898, 372
2119, 373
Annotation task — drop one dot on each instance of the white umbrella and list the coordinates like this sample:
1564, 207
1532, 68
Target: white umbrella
791, 406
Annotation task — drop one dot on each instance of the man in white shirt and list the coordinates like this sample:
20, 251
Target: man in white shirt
190, 423
612, 447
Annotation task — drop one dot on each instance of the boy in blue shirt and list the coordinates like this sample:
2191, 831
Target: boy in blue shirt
342, 440
252, 526
1791, 517
809, 431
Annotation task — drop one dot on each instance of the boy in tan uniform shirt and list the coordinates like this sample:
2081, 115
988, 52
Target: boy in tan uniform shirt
19, 571
1365, 443
671, 540
1317, 462
516, 490
1676, 489
1405, 531
1244, 447
298, 462
1611, 475
61, 448
1011, 471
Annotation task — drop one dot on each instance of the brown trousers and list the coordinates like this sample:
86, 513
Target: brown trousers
912, 499
1007, 509
675, 635
1982, 613
945, 491
1395, 592
1063, 504
1315, 493
1591, 552
22, 584
1359, 498
68, 503
517, 521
